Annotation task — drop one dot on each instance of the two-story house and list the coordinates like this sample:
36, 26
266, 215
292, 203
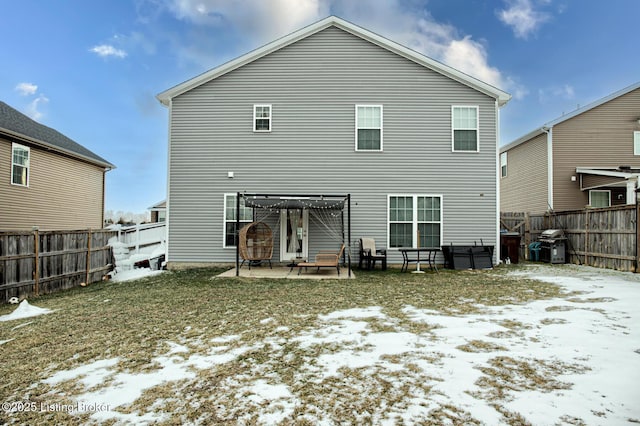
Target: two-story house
47, 180
587, 158
331, 109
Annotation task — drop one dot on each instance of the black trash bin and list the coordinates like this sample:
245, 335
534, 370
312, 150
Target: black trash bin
510, 246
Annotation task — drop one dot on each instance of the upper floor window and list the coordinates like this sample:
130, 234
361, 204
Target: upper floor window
636, 143
600, 198
262, 118
464, 124
503, 164
20, 156
368, 127
230, 222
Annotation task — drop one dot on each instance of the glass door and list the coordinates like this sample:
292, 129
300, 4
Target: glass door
294, 225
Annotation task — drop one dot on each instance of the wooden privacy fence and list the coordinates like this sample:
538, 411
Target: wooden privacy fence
42, 262
604, 238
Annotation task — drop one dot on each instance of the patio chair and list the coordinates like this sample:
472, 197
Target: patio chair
324, 259
369, 254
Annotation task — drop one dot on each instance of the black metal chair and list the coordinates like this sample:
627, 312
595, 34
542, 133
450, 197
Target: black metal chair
369, 254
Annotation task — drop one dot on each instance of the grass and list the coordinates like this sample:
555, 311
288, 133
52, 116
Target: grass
134, 321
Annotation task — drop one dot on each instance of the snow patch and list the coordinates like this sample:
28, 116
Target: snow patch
25, 310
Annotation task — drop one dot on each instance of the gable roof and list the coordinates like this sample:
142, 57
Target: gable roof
545, 127
17, 125
501, 96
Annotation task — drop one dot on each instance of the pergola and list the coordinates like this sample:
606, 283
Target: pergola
277, 202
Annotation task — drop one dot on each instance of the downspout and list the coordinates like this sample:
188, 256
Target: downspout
549, 132
167, 208
496, 250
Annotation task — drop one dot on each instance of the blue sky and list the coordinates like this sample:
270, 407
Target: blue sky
91, 69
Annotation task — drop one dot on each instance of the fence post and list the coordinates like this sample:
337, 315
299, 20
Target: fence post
36, 262
527, 234
88, 256
586, 237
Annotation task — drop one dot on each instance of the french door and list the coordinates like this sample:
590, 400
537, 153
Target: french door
294, 230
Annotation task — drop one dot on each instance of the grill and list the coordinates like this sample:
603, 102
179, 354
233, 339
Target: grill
553, 246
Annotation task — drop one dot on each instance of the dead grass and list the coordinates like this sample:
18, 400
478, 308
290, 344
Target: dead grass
133, 321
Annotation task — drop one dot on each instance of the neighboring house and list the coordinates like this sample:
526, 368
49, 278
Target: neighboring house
47, 180
332, 109
159, 212
589, 157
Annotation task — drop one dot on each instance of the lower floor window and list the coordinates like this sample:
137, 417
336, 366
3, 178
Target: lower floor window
415, 221
600, 198
230, 222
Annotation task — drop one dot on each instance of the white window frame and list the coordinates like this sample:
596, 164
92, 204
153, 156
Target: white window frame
636, 143
600, 191
370, 128
453, 128
15, 146
503, 165
270, 118
225, 220
414, 221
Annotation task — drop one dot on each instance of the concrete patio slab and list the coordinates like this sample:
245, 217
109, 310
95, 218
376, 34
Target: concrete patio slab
264, 271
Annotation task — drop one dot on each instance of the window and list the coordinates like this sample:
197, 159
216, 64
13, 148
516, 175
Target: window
636, 143
599, 198
20, 164
368, 127
246, 216
415, 221
503, 164
465, 128
162, 215
262, 118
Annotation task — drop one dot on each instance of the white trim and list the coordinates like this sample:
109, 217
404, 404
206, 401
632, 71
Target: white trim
636, 143
414, 222
27, 166
501, 96
370, 128
168, 183
503, 156
270, 118
477, 128
224, 218
591, 191
549, 133
600, 172
496, 251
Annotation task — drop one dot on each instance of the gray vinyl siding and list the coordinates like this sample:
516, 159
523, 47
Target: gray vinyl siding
313, 86
524, 189
63, 193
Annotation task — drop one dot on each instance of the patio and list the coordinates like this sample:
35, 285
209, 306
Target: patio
264, 271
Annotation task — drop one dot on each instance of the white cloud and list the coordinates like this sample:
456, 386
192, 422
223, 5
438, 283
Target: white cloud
26, 89
33, 109
522, 18
564, 92
263, 20
404, 22
106, 50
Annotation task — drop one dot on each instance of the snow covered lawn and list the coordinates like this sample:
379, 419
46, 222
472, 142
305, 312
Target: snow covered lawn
456, 347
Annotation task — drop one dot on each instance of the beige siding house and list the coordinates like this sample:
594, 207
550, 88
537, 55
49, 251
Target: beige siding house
47, 180
588, 158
